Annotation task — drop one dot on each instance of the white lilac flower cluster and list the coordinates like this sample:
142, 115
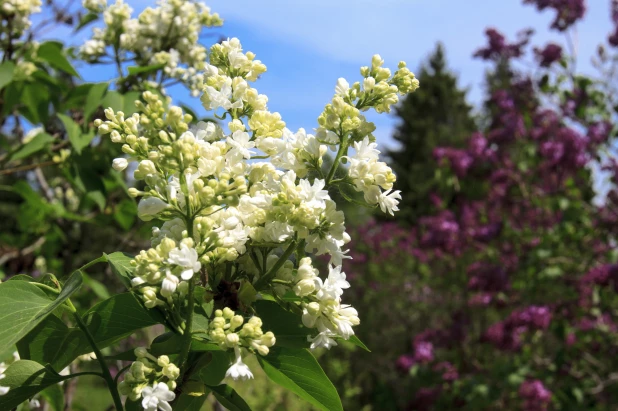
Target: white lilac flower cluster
341, 123
95, 6
17, 15
167, 36
321, 300
249, 207
151, 379
226, 331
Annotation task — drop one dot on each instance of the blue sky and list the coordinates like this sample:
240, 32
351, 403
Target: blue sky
308, 44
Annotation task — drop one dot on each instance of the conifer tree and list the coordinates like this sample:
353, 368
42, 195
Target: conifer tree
436, 115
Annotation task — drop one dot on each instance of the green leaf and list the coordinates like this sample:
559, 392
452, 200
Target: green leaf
202, 311
121, 266
129, 102
94, 98
75, 97
38, 143
113, 100
78, 139
201, 346
24, 305
85, 20
135, 70
169, 343
22, 277
286, 326
118, 317
189, 110
299, 372
34, 210
25, 379
356, 341
35, 99
290, 296
125, 213
229, 398
166, 344
53, 343
88, 179
247, 294
51, 52
12, 96
54, 397
133, 405
6, 73
188, 402
551, 272
214, 372
97, 287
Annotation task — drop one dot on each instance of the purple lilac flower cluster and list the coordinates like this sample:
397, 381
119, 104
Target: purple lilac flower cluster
568, 12
536, 396
548, 55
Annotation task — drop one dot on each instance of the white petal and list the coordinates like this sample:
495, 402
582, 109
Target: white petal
187, 274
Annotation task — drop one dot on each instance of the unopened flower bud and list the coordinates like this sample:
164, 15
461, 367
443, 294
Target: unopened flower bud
171, 371
163, 360
228, 313
232, 340
120, 164
236, 322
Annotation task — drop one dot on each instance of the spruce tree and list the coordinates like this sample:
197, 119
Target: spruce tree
436, 115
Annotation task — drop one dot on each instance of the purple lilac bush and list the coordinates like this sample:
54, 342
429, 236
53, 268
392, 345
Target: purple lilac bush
504, 297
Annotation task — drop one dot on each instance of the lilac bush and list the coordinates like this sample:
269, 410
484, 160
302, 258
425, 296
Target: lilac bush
504, 296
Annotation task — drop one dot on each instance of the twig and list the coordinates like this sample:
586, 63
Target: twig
26, 167
40, 177
28, 250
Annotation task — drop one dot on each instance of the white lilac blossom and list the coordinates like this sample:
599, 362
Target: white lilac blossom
186, 258
388, 201
166, 35
232, 221
94, 6
239, 370
20, 11
157, 397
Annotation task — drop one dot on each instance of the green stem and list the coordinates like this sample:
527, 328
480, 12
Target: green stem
46, 287
101, 259
263, 280
106, 374
185, 344
278, 281
122, 370
300, 251
79, 374
117, 61
343, 148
